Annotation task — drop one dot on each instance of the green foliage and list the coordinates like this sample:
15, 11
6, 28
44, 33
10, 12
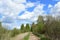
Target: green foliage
42, 37
4, 35
38, 28
14, 32
26, 37
2, 30
27, 27
22, 28
0, 24
40, 19
45, 39
32, 26
53, 29
50, 28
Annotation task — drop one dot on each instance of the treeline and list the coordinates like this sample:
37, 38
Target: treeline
6, 34
48, 29
23, 29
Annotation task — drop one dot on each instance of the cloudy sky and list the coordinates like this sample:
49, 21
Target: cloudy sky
13, 13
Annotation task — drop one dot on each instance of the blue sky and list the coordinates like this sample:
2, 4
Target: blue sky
13, 13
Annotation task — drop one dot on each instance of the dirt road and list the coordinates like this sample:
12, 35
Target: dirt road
20, 36
33, 37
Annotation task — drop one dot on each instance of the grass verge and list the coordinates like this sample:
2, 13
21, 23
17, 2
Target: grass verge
26, 37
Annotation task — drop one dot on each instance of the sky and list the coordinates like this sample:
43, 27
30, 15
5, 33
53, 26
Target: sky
13, 13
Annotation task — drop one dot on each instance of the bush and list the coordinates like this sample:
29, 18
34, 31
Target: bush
39, 27
14, 32
50, 27
4, 34
53, 29
45, 39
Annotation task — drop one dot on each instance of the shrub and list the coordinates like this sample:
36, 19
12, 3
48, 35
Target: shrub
53, 29
14, 32
44, 39
39, 27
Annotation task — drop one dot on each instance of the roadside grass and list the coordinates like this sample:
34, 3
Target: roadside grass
26, 37
43, 37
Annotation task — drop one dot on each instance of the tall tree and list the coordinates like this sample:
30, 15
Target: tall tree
0, 24
40, 24
27, 27
40, 19
38, 28
32, 26
22, 28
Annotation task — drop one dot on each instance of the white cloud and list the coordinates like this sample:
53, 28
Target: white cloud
26, 15
19, 1
55, 11
38, 10
49, 6
11, 9
30, 4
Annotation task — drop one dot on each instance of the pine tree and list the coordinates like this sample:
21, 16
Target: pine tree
22, 28
32, 26
27, 27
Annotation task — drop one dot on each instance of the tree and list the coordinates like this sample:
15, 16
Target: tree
38, 28
40, 19
27, 27
22, 28
0, 24
53, 29
40, 25
32, 26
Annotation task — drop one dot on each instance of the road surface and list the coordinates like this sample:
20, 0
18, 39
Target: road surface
33, 37
20, 36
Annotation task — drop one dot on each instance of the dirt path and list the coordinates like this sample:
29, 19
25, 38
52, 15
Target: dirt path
20, 36
33, 37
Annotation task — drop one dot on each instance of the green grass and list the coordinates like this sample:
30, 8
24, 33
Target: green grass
42, 37
26, 37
